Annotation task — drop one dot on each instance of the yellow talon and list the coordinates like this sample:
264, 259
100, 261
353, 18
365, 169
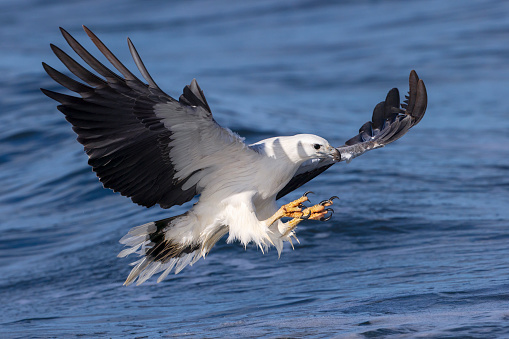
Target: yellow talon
316, 212
290, 210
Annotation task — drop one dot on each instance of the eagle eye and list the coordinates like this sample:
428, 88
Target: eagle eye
317, 146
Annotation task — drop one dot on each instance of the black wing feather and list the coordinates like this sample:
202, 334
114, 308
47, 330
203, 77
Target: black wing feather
114, 118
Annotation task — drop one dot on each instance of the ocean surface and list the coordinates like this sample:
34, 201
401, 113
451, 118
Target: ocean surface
418, 246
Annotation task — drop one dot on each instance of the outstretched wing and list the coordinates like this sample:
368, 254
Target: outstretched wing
140, 141
388, 124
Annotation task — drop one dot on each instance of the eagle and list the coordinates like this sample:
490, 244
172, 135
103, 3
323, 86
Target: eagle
157, 150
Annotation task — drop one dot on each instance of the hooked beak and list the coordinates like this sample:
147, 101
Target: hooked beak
334, 154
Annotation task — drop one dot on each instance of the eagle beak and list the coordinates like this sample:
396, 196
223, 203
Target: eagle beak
334, 154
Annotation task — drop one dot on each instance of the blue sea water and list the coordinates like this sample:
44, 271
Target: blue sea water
418, 246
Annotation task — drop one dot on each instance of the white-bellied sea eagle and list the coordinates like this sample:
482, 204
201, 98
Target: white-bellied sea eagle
154, 149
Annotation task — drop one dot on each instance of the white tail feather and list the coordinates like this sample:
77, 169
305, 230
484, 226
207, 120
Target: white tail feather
183, 262
197, 256
136, 271
127, 251
134, 263
148, 272
167, 270
147, 228
130, 240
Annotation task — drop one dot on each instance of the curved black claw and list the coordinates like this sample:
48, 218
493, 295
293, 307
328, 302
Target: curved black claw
324, 202
306, 194
330, 216
328, 201
306, 217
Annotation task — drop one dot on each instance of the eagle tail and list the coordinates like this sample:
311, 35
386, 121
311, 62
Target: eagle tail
163, 247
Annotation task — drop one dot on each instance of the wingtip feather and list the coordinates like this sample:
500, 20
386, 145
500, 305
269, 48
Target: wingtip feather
141, 66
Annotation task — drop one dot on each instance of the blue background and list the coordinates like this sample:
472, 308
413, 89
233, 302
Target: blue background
418, 246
